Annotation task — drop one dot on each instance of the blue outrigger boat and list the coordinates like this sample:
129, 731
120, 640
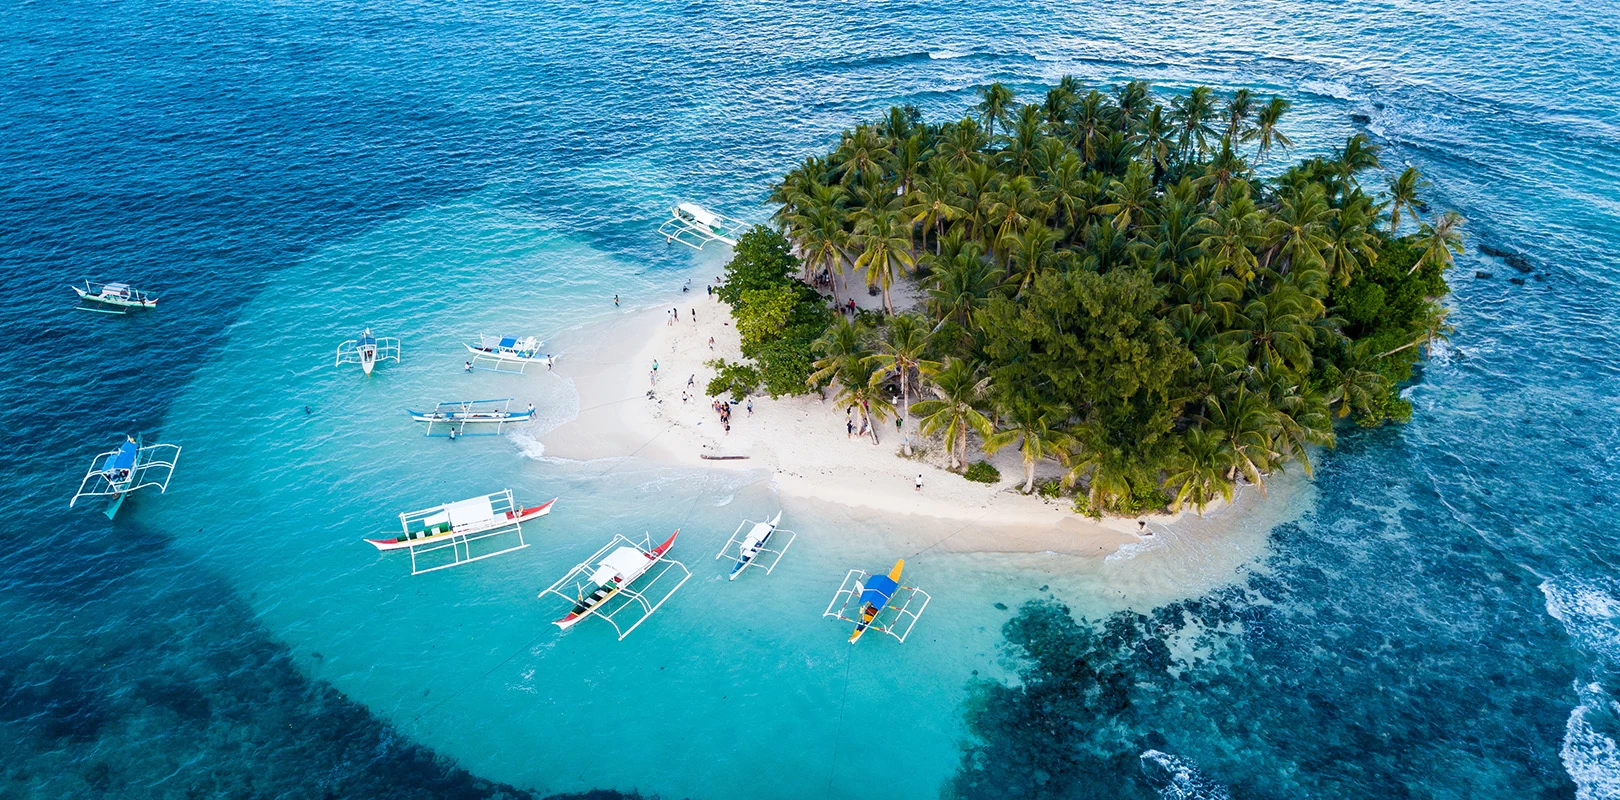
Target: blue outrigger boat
131, 467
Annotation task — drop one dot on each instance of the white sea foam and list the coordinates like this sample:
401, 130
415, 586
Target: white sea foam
1176, 778
1589, 612
1331, 88
1590, 757
943, 55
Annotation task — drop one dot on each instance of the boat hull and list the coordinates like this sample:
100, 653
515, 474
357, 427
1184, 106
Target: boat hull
870, 611
575, 617
399, 543
750, 547
470, 419
121, 302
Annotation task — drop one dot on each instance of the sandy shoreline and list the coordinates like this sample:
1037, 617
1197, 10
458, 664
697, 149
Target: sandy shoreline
800, 441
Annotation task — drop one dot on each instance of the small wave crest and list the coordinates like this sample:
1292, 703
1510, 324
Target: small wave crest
1176, 778
1589, 753
1589, 612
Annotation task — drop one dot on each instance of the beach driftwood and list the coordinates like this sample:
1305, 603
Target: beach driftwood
707, 457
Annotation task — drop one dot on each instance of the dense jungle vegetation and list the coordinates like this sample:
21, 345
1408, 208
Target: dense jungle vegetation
1107, 282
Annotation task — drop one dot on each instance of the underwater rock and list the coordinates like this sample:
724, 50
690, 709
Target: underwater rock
1482, 275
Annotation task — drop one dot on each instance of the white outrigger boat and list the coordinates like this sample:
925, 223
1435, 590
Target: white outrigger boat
600, 585
695, 226
456, 415
112, 298
455, 526
132, 466
502, 353
367, 351
750, 550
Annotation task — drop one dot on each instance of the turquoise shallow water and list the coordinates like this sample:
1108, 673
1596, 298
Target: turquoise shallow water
1434, 616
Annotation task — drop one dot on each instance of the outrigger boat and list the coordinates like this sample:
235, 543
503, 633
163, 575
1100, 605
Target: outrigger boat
499, 353
695, 226
367, 351
879, 603
131, 467
455, 526
457, 415
746, 550
616, 566
112, 298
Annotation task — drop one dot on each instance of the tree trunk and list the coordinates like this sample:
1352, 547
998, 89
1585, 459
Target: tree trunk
905, 413
1029, 476
871, 425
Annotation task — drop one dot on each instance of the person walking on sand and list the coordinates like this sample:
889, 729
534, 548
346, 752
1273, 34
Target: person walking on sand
655, 365
849, 427
549, 361
677, 313
750, 406
691, 380
711, 342
694, 315
919, 481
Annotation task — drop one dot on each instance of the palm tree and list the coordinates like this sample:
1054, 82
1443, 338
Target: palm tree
1440, 241
1157, 136
1298, 231
934, 202
823, 242
1238, 111
1403, 195
1358, 384
1352, 245
1014, 207
1358, 156
962, 143
1199, 472
861, 386
1192, 113
884, 239
842, 344
902, 351
1224, 171
962, 288
1129, 199
960, 392
1242, 422
1031, 253
1275, 329
861, 153
1131, 103
1022, 144
1067, 192
1035, 426
1090, 124
1265, 131
1230, 232
995, 105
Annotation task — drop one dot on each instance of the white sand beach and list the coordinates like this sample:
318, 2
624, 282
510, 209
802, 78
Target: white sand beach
801, 440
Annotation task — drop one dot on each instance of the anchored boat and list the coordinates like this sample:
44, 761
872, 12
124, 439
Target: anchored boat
112, 298
367, 351
749, 549
131, 467
453, 417
878, 603
600, 586
695, 226
511, 354
455, 526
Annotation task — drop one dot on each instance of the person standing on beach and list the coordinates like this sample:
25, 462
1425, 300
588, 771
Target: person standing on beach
750, 406
694, 315
919, 481
849, 427
711, 342
677, 313
615, 301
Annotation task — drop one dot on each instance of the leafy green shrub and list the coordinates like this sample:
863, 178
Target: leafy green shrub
982, 472
1049, 489
778, 317
736, 379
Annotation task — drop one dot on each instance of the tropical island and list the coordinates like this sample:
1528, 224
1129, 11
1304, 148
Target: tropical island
1106, 282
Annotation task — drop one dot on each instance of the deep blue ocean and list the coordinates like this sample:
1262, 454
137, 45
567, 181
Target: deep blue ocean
1441, 621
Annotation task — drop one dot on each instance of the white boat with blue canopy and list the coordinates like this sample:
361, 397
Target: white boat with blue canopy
367, 351
695, 226
878, 603
452, 418
112, 298
763, 545
133, 466
508, 354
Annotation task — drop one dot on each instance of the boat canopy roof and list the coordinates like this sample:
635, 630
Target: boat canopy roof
123, 459
461, 512
508, 341
879, 588
115, 287
696, 212
623, 561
